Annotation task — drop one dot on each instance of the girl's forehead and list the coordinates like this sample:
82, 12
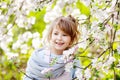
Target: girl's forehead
57, 29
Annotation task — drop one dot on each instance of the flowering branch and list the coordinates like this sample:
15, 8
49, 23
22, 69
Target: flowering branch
87, 46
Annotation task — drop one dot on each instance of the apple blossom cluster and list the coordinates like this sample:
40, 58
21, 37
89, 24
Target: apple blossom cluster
15, 13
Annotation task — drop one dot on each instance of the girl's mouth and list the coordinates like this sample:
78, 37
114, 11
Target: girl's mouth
59, 43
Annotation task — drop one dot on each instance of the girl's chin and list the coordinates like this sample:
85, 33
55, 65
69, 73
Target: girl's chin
59, 48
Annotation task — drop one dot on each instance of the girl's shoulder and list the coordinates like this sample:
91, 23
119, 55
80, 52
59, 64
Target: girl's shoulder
41, 54
40, 51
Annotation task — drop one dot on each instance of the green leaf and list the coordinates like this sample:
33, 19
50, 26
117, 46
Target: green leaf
39, 25
83, 8
48, 75
115, 45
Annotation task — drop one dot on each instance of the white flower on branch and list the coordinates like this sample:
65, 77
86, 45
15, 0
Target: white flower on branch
3, 46
108, 28
68, 66
117, 35
118, 49
46, 70
70, 1
36, 35
82, 18
109, 61
69, 10
84, 35
3, 5
86, 2
31, 20
3, 19
20, 21
94, 62
11, 55
9, 26
16, 45
60, 3
68, 55
79, 74
105, 69
36, 43
87, 73
51, 15
98, 35
26, 36
24, 48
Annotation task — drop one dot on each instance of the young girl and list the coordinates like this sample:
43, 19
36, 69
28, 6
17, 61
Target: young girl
62, 34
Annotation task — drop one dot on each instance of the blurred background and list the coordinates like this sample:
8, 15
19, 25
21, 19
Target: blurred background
23, 24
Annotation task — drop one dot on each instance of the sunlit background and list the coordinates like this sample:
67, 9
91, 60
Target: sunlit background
22, 24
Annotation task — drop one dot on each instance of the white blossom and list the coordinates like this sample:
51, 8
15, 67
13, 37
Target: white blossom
83, 45
79, 74
108, 28
50, 16
75, 12
1, 17
24, 48
46, 70
9, 26
60, 3
26, 36
105, 69
3, 46
20, 21
86, 2
118, 49
84, 34
36, 35
11, 55
68, 66
109, 61
69, 10
16, 45
70, 1
68, 55
3, 5
31, 20
87, 73
94, 62
36, 43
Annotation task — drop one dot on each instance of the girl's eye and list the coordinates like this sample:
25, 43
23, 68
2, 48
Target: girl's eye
64, 35
55, 33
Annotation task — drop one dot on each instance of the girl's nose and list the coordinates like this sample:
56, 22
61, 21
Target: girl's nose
59, 37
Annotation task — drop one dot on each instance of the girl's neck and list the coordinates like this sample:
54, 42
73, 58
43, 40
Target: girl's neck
57, 52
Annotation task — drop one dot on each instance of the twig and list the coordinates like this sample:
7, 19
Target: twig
88, 46
26, 75
98, 57
87, 57
114, 73
80, 42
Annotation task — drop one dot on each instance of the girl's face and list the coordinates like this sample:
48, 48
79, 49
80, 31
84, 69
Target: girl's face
59, 41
